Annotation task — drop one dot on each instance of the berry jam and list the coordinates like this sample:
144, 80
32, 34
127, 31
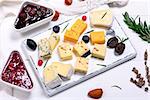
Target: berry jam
15, 72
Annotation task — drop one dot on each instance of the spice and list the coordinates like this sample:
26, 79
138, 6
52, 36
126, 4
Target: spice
146, 89
145, 55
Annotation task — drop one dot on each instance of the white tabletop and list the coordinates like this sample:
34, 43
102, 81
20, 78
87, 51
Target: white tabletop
10, 40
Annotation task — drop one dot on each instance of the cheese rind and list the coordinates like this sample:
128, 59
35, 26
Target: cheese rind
64, 70
81, 65
101, 17
44, 48
99, 51
80, 48
51, 78
97, 37
71, 36
54, 40
65, 51
79, 26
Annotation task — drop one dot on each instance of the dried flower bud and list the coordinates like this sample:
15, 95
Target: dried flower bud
145, 55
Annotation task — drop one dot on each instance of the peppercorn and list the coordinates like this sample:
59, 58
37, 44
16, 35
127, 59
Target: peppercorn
146, 89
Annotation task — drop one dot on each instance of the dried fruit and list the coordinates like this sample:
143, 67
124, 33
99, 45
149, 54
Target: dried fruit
95, 93
119, 49
112, 42
68, 2
56, 16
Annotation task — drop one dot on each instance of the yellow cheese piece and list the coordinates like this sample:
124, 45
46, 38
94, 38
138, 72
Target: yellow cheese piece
51, 78
65, 51
99, 51
64, 70
54, 40
80, 48
71, 36
97, 37
79, 26
81, 65
101, 17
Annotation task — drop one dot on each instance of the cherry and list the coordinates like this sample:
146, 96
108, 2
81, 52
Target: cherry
84, 18
40, 62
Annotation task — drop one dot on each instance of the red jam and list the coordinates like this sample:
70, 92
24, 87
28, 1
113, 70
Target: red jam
15, 72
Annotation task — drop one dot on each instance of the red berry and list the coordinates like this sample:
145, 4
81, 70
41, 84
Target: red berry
40, 62
84, 18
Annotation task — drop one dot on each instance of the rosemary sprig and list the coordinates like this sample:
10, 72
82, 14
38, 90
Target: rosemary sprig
141, 27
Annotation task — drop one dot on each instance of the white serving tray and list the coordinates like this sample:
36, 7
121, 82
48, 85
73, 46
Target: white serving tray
110, 60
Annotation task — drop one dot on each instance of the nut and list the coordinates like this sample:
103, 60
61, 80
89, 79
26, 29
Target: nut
95, 93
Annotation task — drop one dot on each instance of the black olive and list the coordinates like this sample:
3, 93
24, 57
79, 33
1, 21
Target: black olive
86, 54
119, 49
31, 44
85, 38
56, 29
112, 42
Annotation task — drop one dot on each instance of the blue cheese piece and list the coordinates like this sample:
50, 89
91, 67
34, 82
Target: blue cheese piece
65, 51
51, 78
64, 70
54, 40
44, 48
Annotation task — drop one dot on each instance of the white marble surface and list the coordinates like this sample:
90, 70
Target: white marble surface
10, 40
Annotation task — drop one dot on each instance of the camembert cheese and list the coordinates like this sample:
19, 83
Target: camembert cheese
64, 70
51, 78
101, 17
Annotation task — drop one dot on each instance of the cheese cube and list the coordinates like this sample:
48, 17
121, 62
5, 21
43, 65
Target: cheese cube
79, 26
99, 51
80, 48
65, 51
51, 78
44, 48
97, 37
64, 70
81, 65
71, 36
101, 17
54, 40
